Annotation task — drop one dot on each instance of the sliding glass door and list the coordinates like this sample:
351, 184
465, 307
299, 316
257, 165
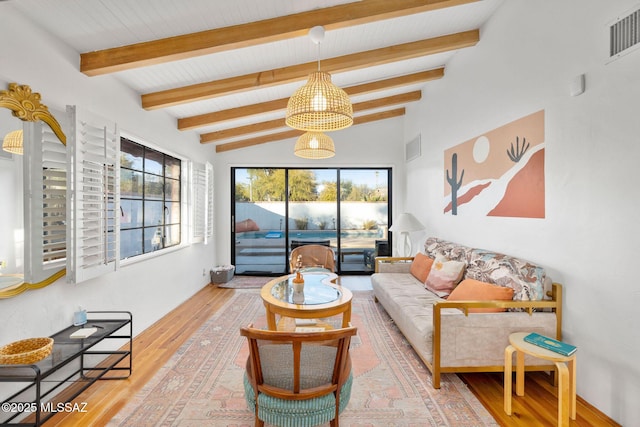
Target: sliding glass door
364, 218
277, 209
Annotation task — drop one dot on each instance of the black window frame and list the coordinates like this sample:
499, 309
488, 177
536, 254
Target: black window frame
170, 179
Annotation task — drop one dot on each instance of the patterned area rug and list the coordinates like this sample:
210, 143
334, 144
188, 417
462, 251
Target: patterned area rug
201, 385
246, 282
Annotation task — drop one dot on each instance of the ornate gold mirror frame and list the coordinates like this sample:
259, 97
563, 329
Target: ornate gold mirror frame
25, 105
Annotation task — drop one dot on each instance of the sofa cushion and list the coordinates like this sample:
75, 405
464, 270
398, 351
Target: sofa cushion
421, 266
410, 306
475, 290
526, 279
444, 276
453, 251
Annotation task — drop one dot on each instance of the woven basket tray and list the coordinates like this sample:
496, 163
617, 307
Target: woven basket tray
27, 351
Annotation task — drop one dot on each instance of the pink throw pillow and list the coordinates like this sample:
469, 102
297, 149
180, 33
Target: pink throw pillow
444, 276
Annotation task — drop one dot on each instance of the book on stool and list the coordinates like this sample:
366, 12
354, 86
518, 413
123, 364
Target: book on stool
550, 344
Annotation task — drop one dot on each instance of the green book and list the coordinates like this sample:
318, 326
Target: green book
550, 344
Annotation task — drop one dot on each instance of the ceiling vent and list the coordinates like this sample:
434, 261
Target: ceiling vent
624, 34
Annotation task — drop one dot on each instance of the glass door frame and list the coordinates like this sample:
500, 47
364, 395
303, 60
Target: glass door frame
340, 256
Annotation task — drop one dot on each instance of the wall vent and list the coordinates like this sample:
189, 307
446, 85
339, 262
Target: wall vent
412, 149
624, 34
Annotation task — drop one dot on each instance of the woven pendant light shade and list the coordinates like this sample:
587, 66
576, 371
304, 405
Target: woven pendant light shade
314, 145
319, 105
12, 142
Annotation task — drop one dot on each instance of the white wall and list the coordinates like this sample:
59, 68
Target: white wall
149, 288
379, 144
527, 55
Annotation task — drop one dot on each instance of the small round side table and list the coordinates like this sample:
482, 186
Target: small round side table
565, 366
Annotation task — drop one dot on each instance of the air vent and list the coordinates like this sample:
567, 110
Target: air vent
412, 149
624, 34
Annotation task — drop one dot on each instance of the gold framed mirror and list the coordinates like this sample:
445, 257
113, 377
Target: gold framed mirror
25, 105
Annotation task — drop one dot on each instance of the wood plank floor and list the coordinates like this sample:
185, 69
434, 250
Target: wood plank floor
153, 347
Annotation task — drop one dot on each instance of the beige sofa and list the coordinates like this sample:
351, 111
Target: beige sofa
444, 334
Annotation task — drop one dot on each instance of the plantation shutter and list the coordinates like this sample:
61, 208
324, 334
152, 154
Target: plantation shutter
93, 196
202, 181
209, 212
45, 177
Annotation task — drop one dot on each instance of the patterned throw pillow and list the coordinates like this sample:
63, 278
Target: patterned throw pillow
475, 290
444, 276
421, 266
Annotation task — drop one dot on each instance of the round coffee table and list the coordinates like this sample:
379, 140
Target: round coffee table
321, 297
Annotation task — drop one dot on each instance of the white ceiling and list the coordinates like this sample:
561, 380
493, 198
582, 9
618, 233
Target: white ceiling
91, 25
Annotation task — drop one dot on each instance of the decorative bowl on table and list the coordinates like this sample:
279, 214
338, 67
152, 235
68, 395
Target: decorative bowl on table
26, 351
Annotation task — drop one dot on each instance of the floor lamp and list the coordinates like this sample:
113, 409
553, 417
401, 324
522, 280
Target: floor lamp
405, 224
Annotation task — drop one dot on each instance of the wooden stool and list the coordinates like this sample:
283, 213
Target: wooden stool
565, 365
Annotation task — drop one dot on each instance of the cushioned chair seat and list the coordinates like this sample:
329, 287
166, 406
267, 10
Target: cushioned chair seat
296, 413
300, 379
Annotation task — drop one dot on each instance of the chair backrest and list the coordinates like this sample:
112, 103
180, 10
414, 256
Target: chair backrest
296, 243
298, 365
313, 256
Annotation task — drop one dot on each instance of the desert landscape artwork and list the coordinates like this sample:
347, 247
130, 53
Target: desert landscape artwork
499, 173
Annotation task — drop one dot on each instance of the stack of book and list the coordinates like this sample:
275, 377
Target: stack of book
550, 344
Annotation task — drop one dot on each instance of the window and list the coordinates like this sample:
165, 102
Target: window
150, 199
126, 199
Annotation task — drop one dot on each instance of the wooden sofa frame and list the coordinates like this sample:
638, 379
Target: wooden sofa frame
553, 304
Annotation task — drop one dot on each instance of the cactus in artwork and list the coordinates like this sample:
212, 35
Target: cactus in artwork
515, 154
455, 183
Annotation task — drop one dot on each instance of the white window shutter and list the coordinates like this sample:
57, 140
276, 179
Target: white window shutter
45, 177
209, 207
202, 190
93, 196
199, 204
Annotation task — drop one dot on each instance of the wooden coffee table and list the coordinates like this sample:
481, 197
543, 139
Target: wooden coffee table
322, 296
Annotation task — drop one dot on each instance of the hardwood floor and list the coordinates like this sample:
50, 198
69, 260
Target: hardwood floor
153, 347
538, 407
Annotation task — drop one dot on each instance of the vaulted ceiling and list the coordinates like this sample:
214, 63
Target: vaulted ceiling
226, 68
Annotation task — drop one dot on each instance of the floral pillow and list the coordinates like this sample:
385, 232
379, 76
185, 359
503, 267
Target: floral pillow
444, 276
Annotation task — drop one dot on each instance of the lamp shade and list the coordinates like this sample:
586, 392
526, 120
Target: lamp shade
314, 145
12, 142
319, 105
406, 222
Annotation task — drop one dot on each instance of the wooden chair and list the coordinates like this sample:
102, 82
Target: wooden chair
313, 256
295, 243
298, 378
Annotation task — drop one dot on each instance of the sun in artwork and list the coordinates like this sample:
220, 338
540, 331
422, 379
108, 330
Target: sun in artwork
481, 149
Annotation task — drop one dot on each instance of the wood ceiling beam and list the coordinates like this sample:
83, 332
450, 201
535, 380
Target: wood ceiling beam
251, 34
268, 78
295, 133
193, 122
279, 123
